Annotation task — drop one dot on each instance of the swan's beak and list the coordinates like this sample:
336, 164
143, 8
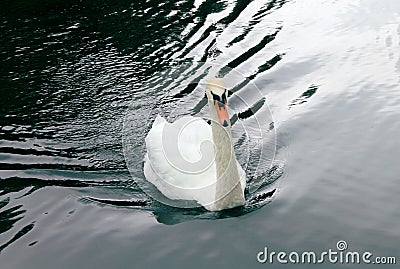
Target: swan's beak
222, 113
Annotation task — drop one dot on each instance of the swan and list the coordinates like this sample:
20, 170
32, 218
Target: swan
191, 160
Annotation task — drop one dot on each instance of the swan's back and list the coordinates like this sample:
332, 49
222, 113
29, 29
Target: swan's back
180, 160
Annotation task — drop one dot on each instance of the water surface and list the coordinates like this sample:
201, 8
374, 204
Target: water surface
328, 70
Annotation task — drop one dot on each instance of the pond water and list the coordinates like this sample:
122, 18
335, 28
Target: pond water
79, 80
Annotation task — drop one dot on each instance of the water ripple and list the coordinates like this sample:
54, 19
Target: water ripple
73, 69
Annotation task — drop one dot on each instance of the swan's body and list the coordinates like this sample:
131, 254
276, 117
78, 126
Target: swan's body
183, 164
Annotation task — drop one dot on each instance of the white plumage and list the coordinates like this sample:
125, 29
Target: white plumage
191, 160
169, 179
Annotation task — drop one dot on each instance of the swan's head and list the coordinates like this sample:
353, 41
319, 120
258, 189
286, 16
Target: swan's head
217, 96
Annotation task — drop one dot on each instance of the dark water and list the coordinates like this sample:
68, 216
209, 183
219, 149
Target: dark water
329, 71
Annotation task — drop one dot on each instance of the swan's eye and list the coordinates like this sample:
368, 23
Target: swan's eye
224, 100
216, 97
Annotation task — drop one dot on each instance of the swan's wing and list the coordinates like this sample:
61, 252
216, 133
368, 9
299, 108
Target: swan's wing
175, 163
158, 121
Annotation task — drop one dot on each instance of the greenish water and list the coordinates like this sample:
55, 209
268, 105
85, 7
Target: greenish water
72, 71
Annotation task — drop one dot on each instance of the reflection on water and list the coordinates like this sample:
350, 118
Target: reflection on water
173, 215
71, 70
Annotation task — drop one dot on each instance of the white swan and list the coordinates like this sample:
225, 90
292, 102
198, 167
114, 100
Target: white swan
183, 164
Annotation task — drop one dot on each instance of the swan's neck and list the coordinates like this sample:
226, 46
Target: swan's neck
229, 192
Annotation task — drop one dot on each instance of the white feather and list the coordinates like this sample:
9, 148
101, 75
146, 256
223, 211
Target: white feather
177, 172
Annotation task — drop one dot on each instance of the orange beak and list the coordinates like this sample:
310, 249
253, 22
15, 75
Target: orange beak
222, 113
